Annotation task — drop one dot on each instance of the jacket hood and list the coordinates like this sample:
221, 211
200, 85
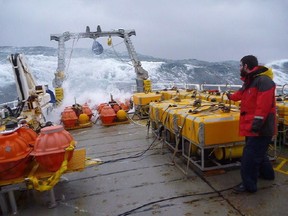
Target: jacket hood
264, 71
258, 71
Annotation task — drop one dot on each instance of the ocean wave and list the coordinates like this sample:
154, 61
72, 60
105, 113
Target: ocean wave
94, 78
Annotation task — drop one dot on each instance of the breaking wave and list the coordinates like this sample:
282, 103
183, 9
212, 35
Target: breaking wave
93, 79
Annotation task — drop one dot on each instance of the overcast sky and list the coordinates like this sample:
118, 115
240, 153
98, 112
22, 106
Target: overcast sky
211, 30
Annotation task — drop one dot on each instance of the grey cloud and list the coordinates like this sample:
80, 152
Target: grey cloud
205, 30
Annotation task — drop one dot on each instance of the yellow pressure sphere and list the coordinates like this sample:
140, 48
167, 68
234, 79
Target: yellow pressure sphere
121, 115
83, 118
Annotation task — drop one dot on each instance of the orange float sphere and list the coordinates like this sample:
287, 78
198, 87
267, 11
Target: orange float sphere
116, 108
69, 117
86, 110
124, 107
28, 134
107, 115
14, 155
100, 106
50, 145
128, 103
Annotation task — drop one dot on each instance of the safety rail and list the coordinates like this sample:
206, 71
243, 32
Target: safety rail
280, 89
12, 104
3, 110
186, 86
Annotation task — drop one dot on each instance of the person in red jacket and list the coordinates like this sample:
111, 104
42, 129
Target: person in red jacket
257, 122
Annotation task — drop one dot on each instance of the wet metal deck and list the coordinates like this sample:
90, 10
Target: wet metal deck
149, 184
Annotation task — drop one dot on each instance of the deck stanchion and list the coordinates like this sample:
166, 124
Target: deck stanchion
12, 202
52, 203
3, 204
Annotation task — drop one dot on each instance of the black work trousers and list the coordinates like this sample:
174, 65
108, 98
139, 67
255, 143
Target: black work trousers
255, 162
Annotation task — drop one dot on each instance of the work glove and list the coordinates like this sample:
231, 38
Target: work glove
256, 125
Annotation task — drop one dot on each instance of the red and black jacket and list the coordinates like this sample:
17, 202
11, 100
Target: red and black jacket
258, 111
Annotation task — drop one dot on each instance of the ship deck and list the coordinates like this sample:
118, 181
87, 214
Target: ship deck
146, 182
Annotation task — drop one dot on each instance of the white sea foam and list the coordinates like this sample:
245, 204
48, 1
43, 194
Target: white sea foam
94, 78
87, 79
280, 73
6, 76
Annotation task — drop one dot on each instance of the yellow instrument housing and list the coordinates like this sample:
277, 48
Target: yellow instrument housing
212, 129
141, 99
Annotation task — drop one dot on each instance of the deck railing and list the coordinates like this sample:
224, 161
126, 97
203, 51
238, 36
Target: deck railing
280, 89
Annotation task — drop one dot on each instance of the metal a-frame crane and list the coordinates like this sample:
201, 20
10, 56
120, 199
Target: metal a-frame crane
142, 82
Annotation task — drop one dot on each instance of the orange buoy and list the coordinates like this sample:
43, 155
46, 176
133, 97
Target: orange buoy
107, 115
86, 110
14, 155
116, 107
69, 117
129, 104
100, 106
28, 134
124, 107
50, 145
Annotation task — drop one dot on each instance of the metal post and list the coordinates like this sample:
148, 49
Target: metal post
52, 203
3, 204
12, 201
202, 158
